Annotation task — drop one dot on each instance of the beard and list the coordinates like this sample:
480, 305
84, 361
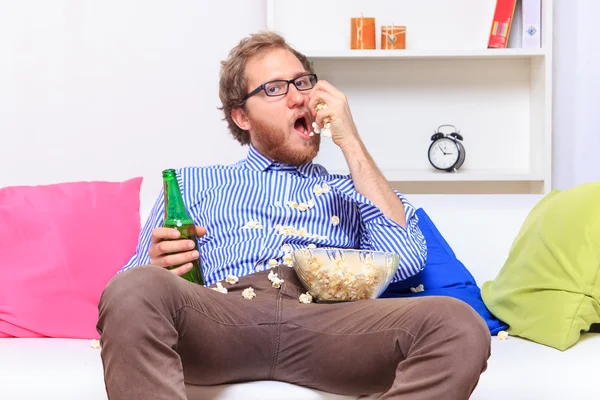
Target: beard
273, 142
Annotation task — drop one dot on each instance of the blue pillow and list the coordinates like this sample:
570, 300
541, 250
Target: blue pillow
444, 275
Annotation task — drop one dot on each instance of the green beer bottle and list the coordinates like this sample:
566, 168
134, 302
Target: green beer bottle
176, 216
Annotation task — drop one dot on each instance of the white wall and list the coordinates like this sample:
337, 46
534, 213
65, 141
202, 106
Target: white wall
113, 89
576, 147
85, 86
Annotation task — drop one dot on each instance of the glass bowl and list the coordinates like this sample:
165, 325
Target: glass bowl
336, 275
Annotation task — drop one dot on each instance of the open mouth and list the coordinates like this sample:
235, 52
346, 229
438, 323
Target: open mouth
301, 125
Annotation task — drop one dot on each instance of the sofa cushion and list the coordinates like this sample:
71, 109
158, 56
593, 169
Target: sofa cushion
59, 246
70, 369
443, 275
548, 290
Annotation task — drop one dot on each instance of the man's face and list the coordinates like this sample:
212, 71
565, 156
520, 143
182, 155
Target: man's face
280, 126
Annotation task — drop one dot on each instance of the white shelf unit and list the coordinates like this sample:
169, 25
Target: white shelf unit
499, 99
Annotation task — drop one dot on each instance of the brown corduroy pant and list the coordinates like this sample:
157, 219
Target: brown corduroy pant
160, 333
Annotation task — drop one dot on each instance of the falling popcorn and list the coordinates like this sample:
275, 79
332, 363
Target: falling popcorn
312, 246
220, 288
335, 220
248, 293
417, 289
326, 189
95, 344
273, 263
252, 224
305, 298
311, 203
292, 231
502, 335
232, 279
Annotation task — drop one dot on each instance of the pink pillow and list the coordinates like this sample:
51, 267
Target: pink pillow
59, 246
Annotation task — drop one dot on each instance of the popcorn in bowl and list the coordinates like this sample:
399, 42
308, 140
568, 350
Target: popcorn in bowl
335, 275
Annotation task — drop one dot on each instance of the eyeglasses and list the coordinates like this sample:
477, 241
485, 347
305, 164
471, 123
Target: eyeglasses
282, 86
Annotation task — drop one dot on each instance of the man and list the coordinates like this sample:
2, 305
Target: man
160, 332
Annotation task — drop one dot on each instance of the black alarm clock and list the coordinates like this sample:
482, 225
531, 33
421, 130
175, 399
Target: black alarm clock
446, 151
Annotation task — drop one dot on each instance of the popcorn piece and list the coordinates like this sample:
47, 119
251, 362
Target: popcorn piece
252, 224
292, 204
287, 260
326, 188
232, 279
286, 248
321, 106
335, 220
302, 207
220, 288
312, 246
326, 132
316, 128
273, 262
311, 203
292, 231
248, 293
418, 289
502, 335
305, 298
95, 343
275, 280
272, 275
317, 190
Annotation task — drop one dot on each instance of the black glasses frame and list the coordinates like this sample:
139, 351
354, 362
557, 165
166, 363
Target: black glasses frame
263, 86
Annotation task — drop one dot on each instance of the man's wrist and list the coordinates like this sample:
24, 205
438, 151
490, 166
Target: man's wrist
352, 146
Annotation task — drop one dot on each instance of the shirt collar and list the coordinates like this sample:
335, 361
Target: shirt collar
259, 162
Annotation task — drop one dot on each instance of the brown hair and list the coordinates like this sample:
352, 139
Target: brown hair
233, 83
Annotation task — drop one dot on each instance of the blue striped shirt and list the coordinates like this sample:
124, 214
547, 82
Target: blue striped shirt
226, 199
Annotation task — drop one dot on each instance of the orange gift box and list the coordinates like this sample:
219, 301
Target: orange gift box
393, 37
362, 33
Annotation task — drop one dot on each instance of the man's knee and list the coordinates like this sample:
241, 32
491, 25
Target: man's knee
461, 322
130, 291
465, 325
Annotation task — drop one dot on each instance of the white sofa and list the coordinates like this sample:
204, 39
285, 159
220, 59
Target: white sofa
480, 229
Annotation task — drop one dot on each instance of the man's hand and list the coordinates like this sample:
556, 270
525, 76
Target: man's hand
168, 253
368, 179
337, 113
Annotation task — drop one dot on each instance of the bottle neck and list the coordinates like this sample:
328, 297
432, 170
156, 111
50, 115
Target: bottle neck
174, 206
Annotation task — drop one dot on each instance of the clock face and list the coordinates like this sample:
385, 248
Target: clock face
443, 153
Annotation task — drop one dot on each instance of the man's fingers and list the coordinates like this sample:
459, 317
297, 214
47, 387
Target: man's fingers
200, 231
329, 88
174, 246
182, 270
159, 234
320, 96
178, 259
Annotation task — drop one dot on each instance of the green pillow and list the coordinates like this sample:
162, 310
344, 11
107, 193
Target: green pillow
548, 290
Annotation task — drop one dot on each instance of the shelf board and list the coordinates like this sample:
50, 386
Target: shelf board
396, 175
425, 54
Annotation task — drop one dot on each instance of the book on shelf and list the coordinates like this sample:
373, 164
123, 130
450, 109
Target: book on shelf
531, 31
502, 23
